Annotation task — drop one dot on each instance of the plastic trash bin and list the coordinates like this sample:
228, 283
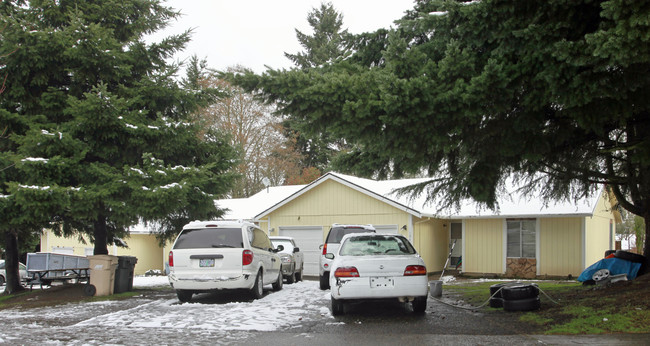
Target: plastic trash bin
102, 273
124, 274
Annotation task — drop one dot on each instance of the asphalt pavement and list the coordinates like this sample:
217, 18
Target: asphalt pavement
363, 324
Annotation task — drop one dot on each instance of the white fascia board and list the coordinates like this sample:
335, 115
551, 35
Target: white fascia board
514, 216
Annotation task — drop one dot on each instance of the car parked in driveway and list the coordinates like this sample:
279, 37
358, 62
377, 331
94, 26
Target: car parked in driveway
377, 267
331, 245
293, 261
22, 270
219, 255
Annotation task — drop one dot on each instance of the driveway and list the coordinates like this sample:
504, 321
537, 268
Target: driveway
298, 314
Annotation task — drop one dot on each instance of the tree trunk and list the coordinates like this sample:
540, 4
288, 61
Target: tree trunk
13, 284
101, 244
646, 243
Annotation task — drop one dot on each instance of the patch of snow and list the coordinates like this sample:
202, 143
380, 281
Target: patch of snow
35, 159
291, 306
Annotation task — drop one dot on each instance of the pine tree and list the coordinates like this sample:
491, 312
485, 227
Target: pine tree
101, 137
554, 94
329, 43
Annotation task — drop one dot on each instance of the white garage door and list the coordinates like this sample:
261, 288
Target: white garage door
308, 239
386, 229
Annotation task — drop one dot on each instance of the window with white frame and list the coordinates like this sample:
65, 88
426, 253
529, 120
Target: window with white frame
521, 238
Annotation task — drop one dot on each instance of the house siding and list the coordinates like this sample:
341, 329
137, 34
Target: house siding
483, 246
560, 246
142, 246
332, 202
431, 238
597, 236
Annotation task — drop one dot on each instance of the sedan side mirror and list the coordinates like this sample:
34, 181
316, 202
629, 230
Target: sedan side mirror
279, 248
295, 249
329, 256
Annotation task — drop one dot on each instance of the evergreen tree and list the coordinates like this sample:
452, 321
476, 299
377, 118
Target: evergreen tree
328, 43
555, 94
100, 136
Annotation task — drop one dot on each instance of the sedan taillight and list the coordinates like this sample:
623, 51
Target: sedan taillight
415, 270
346, 272
247, 257
171, 259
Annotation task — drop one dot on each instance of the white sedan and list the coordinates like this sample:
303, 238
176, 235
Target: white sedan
377, 266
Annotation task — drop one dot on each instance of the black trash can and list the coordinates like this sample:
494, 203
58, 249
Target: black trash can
124, 274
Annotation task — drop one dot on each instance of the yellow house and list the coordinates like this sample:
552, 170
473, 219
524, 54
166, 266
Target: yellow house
524, 238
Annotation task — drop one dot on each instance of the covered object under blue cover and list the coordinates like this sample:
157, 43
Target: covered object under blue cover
614, 265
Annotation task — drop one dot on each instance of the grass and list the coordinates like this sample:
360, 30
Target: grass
580, 309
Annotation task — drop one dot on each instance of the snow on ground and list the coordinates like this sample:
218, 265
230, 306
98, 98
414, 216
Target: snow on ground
150, 281
290, 307
293, 304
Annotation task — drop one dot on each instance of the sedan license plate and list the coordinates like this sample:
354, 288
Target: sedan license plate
206, 262
381, 283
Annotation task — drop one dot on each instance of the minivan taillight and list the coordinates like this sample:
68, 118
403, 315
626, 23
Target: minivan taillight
346, 272
247, 257
324, 248
171, 259
415, 270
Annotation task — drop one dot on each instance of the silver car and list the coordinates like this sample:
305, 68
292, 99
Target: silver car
219, 255
293, 261
22, 269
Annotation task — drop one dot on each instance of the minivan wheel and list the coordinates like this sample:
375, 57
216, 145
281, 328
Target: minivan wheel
258, 288
325, 281
291, 278
277, 285
184, 296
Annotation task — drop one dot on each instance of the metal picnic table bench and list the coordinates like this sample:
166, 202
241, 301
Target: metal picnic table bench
45, 267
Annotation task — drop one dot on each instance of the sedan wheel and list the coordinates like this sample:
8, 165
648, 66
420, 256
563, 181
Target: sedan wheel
419, 304
337, 307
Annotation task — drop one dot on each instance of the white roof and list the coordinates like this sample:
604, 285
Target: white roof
247, 208
510, 205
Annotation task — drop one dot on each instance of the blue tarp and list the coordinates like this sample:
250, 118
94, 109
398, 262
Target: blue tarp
615, 265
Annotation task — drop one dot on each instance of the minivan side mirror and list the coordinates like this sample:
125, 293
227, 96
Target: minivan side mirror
295, 249
321, 246
329, 256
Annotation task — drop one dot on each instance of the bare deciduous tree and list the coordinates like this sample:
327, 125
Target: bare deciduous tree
265, 152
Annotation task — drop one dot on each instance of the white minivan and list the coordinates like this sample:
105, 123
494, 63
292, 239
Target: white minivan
218, 255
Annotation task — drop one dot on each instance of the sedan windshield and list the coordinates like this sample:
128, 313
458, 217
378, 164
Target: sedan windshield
376, 245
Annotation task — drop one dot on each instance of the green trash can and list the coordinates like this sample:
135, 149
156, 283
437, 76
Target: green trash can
124, 274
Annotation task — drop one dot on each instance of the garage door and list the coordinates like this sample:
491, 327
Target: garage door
308, 239
386, 229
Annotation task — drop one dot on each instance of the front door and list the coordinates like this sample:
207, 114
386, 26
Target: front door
456, 240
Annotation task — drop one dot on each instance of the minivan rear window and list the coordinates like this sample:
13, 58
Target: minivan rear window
201, 238
337, 233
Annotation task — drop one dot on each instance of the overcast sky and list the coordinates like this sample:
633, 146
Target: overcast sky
254, 33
